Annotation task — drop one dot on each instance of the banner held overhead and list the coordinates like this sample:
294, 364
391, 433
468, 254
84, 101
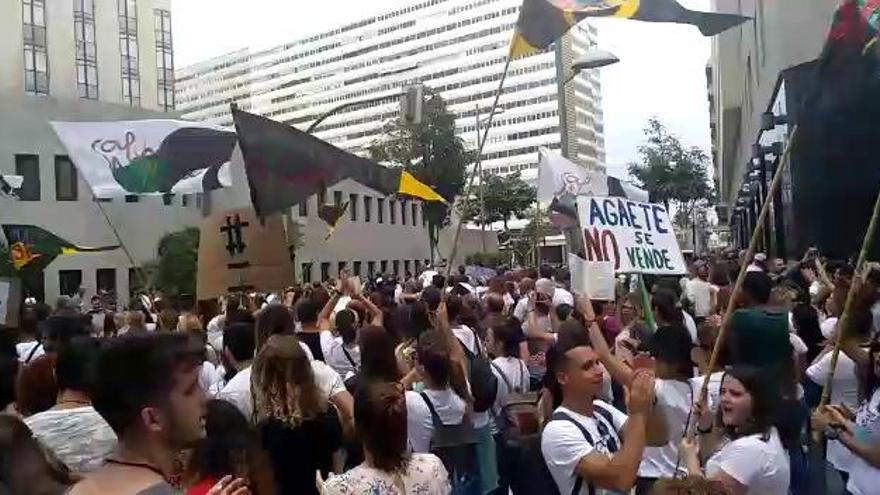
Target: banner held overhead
638, 237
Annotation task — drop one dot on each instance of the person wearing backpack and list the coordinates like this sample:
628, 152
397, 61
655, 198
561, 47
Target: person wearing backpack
515, 411
589, 447
439, 420
483, 386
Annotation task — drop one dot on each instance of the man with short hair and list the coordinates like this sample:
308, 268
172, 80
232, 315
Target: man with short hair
147, 389
588, 444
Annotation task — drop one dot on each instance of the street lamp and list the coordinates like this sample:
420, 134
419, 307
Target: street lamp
593, 59
377, 99
479, 164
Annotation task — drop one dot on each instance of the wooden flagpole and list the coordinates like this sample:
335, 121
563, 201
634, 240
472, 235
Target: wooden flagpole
753, 243
843, 323
467, 194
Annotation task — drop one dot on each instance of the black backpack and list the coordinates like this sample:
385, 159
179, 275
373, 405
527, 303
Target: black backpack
532, 474
456, 446
483, 382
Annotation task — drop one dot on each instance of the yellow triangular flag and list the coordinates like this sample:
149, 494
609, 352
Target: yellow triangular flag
411, 186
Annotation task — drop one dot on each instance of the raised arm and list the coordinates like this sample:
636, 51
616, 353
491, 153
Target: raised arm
619, 471
619, 371
376, 316
326, 311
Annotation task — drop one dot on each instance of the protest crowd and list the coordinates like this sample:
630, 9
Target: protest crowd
506, 382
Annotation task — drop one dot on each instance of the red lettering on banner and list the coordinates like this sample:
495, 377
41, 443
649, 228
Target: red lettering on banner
601, 246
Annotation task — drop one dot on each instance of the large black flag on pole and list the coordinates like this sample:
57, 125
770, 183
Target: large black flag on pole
285, 166
542, 22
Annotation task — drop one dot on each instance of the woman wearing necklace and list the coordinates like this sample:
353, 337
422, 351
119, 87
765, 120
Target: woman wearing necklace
147, 389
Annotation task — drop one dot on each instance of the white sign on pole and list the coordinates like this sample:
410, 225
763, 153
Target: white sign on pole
595, 278
637, 237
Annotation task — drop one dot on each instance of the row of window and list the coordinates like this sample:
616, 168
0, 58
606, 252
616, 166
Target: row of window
498, 122
356, 268
396, 42
408, 210
67, 182
36, 63
439, 89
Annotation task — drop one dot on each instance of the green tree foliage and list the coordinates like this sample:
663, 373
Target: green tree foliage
432, 153
178, 261
505, 197
668, 170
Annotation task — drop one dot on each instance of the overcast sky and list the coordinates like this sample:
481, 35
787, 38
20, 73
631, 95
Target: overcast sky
662, 69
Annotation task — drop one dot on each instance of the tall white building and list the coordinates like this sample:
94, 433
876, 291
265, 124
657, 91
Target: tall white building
84, 60
457, 48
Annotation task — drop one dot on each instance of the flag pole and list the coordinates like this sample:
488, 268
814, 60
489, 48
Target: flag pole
137, 269
843, 323
467, 194
750, 252
646, 303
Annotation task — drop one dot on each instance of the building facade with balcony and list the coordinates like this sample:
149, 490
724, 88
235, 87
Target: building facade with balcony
84, 60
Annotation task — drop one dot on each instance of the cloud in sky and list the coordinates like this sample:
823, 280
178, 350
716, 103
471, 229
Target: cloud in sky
662, 68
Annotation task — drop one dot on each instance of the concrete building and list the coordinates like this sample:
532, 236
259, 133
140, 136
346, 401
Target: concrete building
84, 60
455, 47
763, 68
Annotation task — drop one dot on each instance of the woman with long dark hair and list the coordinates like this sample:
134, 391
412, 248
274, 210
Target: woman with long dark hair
25, 468
743, 447
230, 447
381, 420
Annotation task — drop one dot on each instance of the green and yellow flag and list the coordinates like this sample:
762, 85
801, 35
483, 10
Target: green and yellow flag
30, 245
542, 22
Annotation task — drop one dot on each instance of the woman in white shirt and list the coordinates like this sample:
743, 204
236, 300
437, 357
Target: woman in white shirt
341, 351
859, 432
745, 452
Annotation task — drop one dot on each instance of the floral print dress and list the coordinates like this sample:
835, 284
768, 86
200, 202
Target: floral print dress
424, 475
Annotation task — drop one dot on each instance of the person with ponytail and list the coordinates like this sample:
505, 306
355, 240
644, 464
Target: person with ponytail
381, 421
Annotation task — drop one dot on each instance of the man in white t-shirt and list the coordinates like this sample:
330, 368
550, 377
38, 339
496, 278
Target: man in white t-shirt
588, 443
698, 290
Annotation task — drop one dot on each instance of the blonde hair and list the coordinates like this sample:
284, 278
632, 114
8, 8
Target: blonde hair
189, 322
283, 383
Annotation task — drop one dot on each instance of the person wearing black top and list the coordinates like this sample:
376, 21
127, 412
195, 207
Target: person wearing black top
310, 334
299, 429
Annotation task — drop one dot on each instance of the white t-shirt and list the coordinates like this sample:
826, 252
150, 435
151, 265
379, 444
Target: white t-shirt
521, 310
238, 390
427, 277
699, 292
691, 326
863, 477
215, 331
761, 466
675, 398
517, 374
562, 296
335, 354
468, 338
563, 444
449, 406
25, 349
209, 376
844, 390
797, 343
827, 327
79, 437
